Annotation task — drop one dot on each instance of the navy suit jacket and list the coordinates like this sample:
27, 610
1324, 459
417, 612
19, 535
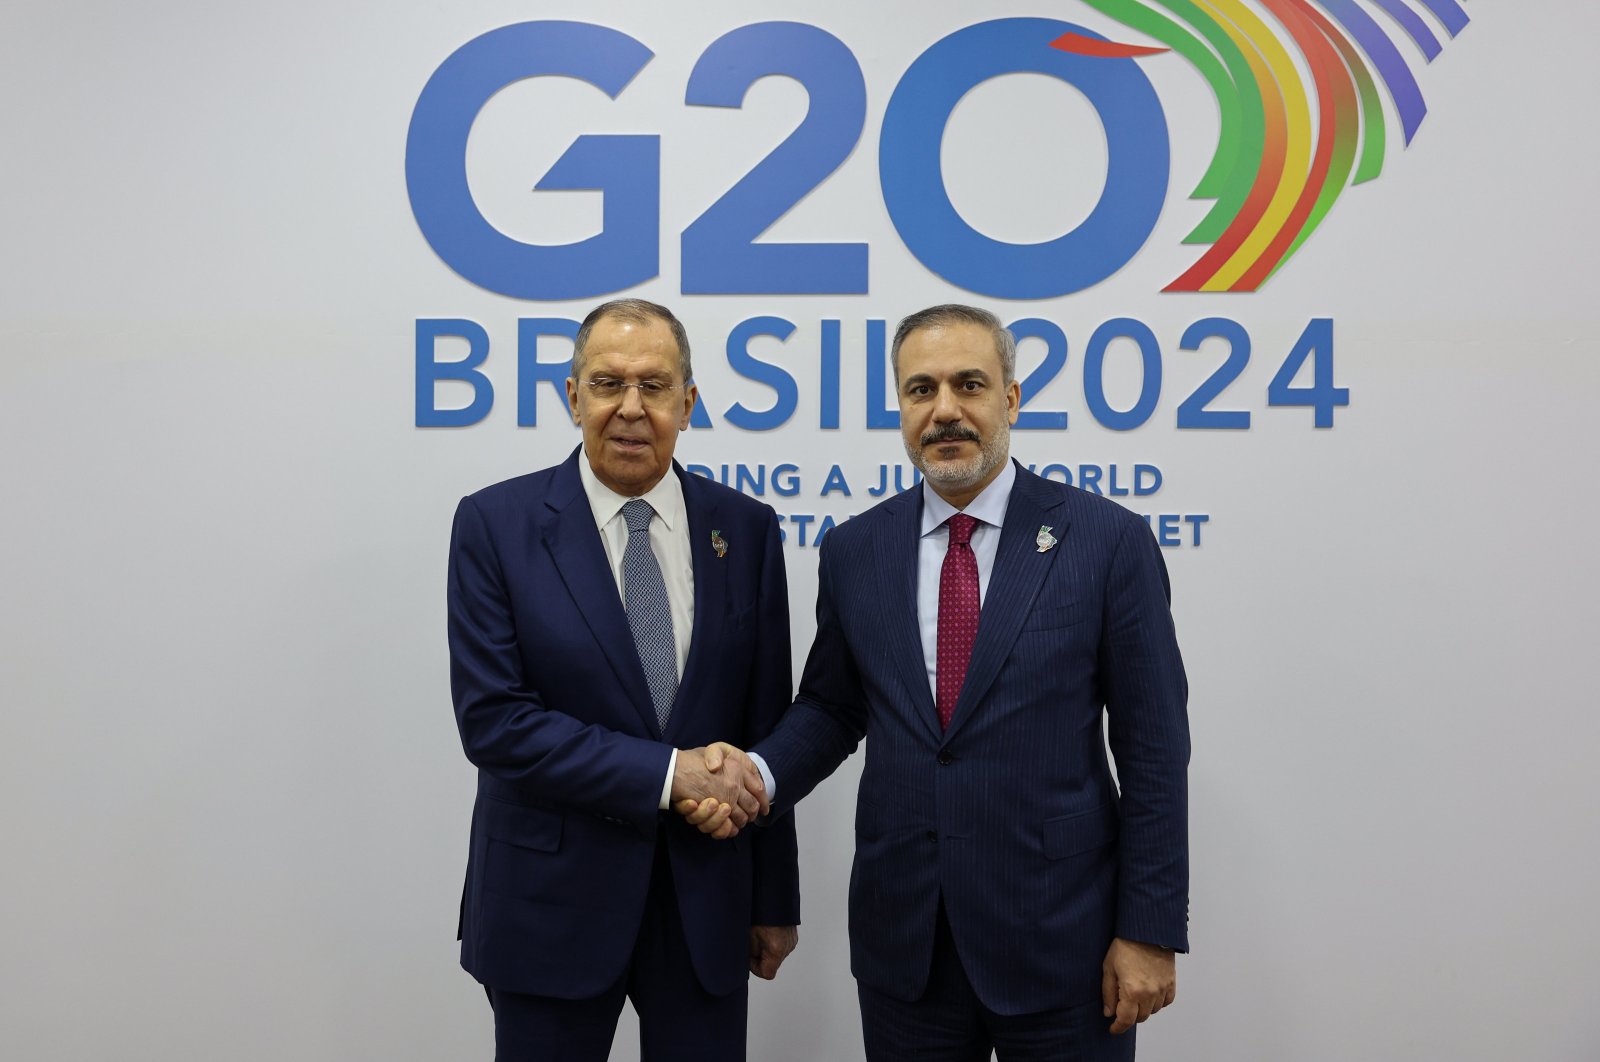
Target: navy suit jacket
554, 710
1012, 815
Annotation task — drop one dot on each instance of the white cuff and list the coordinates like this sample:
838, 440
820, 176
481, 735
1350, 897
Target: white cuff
766, 775
666, 787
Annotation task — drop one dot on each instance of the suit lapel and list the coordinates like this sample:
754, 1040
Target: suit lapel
1019, 571
569, 533
897, 595
710, 593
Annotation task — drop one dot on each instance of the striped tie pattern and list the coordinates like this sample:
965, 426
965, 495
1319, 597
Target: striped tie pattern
649, 613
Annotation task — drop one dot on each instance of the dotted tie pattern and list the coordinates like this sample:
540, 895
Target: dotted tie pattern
644, 598
958, 614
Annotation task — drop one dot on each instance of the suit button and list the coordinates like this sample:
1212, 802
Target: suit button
933, 835
945, 759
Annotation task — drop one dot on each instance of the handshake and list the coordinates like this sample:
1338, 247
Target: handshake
718, 789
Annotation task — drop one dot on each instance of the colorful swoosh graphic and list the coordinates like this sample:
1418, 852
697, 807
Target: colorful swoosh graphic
1287, 149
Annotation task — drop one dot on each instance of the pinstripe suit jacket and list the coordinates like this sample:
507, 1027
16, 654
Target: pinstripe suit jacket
1011, 815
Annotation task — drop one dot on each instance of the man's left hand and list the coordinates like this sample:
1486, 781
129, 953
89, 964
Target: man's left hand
1136, 981
769, 946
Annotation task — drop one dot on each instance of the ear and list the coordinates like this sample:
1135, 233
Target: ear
1013, 400
572, 401
691, 395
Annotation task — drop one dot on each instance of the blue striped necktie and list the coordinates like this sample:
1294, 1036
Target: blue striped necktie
649, 612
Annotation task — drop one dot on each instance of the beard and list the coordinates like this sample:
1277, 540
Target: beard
960, 475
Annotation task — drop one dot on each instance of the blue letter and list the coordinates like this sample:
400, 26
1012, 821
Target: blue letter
430, 371
742, 362
828, 400
786, 480
625, 168
835, 482
530, 370
1146, 479
879, 415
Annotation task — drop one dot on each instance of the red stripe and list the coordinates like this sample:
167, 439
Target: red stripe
1334, 93
1078, 44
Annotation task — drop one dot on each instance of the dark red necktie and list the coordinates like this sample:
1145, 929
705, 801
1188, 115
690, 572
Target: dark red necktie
958, 614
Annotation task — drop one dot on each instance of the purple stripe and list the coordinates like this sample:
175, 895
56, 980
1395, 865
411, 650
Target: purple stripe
1386, 57
1412, 23
1448, 12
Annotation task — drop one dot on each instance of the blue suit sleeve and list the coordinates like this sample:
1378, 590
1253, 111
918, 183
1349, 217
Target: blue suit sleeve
506, 727
829, 717
776, 886
1146, 697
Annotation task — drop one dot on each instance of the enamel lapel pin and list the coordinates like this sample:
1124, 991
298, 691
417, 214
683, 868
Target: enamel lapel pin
1045, 540
719, 543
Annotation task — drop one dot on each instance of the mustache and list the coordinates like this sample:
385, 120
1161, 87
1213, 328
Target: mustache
950, 433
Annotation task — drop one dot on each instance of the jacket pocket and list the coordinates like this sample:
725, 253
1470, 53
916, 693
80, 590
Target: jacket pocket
525, 827
1073, 835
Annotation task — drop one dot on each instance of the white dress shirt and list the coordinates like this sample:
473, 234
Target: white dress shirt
989, 509
669, 541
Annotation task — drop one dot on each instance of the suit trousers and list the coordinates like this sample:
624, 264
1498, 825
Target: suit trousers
678, 1019
950, 1024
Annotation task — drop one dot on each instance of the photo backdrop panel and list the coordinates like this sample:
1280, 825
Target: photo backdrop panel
265, 325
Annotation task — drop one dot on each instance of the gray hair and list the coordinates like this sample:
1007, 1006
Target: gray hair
1005, 344
639, 311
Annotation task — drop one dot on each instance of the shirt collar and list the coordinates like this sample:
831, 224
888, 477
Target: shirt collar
666, 497
989, 506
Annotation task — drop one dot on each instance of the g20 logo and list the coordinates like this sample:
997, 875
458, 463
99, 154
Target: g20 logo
1275, 174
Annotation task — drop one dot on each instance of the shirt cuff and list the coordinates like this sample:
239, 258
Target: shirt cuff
666, 787
766, 775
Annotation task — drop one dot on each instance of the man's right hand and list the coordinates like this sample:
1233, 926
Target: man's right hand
718, 789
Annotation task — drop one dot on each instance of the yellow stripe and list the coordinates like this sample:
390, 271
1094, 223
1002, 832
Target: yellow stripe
1287, 93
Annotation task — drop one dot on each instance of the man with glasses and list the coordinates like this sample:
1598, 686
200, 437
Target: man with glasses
609, 618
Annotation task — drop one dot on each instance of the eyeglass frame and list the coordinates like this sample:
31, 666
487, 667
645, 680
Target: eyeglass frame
660, 399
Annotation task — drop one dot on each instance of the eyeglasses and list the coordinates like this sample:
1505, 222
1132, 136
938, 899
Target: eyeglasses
657, 394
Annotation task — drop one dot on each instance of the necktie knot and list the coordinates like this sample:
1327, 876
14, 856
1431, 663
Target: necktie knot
637, 513
961, 528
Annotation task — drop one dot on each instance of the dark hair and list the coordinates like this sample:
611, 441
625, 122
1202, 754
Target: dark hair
639, 311
949, 313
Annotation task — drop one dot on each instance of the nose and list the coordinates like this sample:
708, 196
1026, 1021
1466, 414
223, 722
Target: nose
946, 406
632, 405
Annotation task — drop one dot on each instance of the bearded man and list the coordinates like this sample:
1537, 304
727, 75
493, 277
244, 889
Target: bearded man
1008, 894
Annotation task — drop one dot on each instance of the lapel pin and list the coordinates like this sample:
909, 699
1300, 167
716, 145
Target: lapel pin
1045, 539
719, 543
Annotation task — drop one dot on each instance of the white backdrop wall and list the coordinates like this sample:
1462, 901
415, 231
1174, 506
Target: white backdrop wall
233, 808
